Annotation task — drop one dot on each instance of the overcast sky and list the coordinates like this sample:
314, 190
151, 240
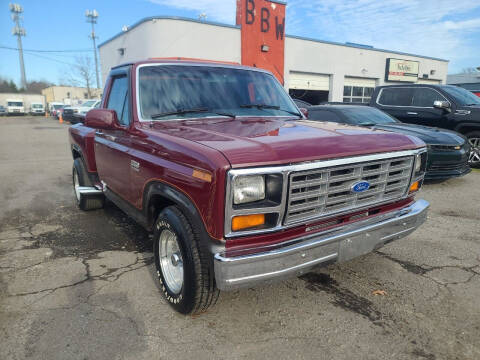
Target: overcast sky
439, 28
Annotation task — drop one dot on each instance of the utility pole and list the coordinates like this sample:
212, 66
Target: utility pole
92, 18
19, 31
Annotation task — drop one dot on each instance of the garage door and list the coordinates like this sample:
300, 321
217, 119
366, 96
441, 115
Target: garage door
309, 81
358, 90
428, 81
360, 82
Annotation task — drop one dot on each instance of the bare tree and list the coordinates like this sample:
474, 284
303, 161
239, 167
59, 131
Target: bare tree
82, 73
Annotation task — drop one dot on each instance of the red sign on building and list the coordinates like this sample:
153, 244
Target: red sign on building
263, 34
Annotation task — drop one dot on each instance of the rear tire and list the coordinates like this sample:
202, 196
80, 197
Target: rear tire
185, 274
80, 178
474, 140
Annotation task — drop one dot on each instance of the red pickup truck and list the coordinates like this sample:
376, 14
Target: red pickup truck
236, 185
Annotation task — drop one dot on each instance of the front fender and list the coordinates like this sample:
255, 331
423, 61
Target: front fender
186, 205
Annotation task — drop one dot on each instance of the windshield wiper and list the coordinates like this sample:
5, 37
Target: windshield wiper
471, 104
260, 106
266, 106
188, 111
179, 112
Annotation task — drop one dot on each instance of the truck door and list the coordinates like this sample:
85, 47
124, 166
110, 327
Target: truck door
112, 147
396, 101
422, 111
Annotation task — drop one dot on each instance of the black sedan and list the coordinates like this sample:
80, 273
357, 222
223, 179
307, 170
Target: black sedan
448, 151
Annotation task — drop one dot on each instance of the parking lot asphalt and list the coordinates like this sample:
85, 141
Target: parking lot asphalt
81, 285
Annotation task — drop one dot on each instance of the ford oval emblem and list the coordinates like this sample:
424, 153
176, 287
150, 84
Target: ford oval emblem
360, 186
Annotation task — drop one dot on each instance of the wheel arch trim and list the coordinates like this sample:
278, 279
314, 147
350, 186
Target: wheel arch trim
184, 202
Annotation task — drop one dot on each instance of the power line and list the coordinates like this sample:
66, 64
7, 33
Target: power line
48, 58
44, 51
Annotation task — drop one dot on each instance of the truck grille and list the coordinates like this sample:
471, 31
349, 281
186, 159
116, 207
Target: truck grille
326, 191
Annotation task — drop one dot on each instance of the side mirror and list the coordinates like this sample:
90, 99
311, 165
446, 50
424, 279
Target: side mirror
444, 105
304, 112
102, 119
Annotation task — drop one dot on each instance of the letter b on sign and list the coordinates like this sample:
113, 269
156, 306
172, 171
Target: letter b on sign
250, 12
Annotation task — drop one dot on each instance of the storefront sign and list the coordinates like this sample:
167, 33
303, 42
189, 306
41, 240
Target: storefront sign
263, 34
401, 70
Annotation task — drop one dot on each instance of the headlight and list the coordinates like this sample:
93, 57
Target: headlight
248, 189
418, 163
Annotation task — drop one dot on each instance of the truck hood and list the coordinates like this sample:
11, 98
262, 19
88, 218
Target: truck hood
430, 135
267, 141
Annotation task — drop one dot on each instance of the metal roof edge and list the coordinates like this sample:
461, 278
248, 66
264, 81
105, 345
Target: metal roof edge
363, 47
181, 18
214, 23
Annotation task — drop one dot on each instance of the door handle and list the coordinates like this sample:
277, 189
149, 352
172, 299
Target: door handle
411, 113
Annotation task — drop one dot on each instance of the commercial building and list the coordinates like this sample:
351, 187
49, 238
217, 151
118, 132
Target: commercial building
70, 95
469, 81
311, 69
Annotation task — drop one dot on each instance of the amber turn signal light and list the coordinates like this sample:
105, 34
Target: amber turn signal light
247, 221
414, 187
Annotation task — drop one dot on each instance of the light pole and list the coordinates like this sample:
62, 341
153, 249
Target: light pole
92, 18
19, 31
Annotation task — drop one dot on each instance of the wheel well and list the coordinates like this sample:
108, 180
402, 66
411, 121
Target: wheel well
469, 128
155, 205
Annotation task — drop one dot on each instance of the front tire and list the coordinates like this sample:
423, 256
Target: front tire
184, 271
474, 140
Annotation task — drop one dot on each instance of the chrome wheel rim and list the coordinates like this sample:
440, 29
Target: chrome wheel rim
474, 158
171, 261
76, 185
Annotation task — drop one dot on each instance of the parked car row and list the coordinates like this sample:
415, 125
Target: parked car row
16, 107
445, 117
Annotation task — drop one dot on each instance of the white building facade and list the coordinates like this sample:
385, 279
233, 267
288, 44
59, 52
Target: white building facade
315, 70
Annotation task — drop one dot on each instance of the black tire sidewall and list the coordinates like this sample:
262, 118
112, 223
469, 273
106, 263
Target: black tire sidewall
184, 301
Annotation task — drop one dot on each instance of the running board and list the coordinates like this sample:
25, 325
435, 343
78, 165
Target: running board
89, 190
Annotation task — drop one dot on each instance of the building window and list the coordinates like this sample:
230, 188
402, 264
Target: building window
357, 94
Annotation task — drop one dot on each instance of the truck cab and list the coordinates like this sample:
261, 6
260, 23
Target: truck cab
236, 186
37, 108
15, 107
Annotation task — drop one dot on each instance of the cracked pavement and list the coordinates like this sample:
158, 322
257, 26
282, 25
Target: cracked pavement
76, 285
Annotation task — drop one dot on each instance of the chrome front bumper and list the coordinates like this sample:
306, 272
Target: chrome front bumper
300, 255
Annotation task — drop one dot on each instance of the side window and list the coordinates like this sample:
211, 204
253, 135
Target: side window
323, 115
396, 96
424, 97
118, 99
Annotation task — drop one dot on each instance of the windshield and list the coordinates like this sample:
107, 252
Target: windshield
56, 107
37, 106
180, 90
363, 115
461, 96
15, 103
89, 103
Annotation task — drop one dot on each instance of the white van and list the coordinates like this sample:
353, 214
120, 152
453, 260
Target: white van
15, 107
36, 108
